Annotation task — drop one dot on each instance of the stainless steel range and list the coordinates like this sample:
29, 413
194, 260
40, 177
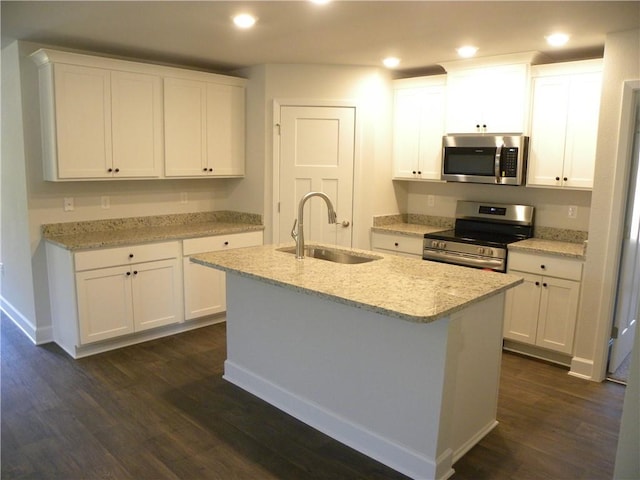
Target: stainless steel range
481, 234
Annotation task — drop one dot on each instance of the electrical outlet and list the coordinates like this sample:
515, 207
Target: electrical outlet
68, 204
572, 211
431, 200
105, 202
184, 198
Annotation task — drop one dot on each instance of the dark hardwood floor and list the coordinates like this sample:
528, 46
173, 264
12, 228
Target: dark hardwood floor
161, 410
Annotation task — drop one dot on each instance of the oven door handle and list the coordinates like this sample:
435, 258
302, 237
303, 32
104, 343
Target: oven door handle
464, 259
496, 165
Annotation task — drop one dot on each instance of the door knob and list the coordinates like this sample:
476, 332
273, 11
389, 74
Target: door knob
345, 223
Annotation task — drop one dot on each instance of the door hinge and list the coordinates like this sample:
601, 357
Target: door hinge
614, 332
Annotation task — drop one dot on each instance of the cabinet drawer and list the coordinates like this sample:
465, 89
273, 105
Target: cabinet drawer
397, 243
111, 257
545, 265
193, 246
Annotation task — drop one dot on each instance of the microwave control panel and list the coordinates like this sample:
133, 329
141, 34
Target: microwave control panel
509, 162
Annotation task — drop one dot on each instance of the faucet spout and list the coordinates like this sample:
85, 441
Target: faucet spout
297, 232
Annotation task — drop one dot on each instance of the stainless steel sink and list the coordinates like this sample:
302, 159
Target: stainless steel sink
337, 256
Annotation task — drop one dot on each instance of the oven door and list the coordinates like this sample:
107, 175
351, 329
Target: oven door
440, 249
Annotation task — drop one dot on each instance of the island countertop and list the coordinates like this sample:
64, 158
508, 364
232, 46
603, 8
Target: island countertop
406, 288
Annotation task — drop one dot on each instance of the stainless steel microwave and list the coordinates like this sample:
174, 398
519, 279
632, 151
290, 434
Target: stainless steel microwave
495, 159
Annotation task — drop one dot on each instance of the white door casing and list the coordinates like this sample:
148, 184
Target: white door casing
317, 152
628, 291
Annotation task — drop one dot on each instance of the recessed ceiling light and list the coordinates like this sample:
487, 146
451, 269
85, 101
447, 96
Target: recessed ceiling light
467, 51
557, 39
244, 20
320, 2
391, 62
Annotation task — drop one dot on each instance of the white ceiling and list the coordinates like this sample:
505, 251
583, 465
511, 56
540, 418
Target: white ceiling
421, 33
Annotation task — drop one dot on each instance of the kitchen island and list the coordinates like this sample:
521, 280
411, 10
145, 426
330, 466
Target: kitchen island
398, 358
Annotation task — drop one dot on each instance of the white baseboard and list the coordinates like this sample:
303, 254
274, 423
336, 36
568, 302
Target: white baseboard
22, 322
393, 455
145, 336
473, 441
581, 368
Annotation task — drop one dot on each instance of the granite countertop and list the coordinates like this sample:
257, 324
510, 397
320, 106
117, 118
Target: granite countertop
551, 247
138, 230
550, 241
406, 288
408, 229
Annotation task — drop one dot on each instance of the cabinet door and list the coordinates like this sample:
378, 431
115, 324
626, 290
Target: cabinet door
464, 101
83, 121
418, 130
487, 100
558, 311
225, 129
406, 132
522, 308
404, 245
156, 294
204, 290
137, 124
432, 101
104, 303
548, 130
504, 98
185, 127
582, 130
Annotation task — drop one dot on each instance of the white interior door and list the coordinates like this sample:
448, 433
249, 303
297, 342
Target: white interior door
317, 146
628, 292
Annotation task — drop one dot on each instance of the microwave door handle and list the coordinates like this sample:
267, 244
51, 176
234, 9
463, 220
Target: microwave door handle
496, 165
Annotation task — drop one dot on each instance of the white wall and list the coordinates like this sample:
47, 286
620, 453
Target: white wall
551, 205
253, 193
621, 62
17, 295
368, 88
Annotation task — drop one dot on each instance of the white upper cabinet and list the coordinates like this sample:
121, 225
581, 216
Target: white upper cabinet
204, 128
185, 123
80, 134
487, 99
564, 124
105, 119
418, 127
100, 123
136, 124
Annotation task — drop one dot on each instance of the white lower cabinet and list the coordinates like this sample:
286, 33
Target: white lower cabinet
110, 297
542, 311
204, 287
128, 296
405, 245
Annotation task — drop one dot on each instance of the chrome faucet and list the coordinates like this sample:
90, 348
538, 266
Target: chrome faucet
298, 233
